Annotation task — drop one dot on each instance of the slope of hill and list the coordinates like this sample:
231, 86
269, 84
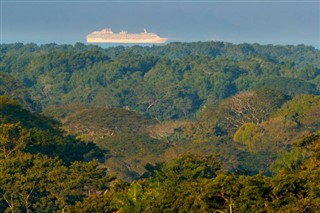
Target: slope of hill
165, 82
236, 126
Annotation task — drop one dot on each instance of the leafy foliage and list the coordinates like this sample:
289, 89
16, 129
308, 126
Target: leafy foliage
14, 89
169, 82
194, 127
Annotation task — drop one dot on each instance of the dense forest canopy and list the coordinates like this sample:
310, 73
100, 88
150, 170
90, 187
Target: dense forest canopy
165, 82
183, 127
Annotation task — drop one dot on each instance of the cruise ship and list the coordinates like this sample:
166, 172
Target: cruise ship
107, 36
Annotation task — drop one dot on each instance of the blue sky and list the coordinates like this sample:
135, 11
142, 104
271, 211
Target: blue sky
277, 22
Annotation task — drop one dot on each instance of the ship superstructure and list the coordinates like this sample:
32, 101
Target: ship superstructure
107, 36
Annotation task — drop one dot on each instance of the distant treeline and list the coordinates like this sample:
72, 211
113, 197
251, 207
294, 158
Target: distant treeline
165, 82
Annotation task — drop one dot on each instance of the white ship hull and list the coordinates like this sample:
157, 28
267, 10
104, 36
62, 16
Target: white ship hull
99, 40
107, 36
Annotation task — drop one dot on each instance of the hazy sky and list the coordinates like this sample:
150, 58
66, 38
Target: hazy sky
69, 21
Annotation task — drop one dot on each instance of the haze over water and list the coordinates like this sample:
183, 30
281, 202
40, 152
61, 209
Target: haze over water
265, 22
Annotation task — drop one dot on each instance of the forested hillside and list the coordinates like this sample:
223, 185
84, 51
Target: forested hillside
184, 127
165, 82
